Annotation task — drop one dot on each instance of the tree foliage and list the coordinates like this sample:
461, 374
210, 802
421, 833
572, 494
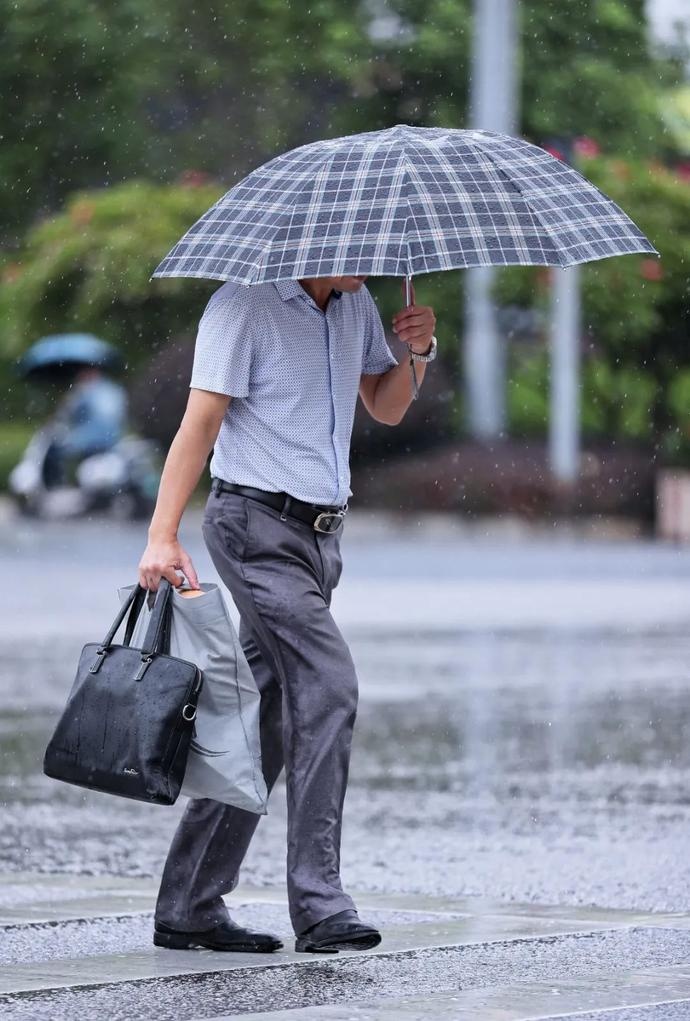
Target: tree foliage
95, 95
72, 79
585, 69
588, 70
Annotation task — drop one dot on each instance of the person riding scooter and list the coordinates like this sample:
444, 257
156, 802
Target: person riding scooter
84, 457
91, 418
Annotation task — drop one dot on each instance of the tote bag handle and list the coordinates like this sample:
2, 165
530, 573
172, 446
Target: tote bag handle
158, 632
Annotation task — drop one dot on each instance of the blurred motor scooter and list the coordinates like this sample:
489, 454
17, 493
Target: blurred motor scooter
84, 458
122, 480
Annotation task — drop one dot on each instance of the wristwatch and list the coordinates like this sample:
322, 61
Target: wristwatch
414, 357
428, 357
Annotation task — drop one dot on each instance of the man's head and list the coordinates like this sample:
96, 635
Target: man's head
320, 288
350, 284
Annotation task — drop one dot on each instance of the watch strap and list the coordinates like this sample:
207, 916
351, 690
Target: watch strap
429, 357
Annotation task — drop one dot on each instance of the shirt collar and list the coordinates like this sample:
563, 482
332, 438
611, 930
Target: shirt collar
289, 289
293, 289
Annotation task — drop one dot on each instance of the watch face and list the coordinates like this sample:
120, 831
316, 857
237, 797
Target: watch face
429, 356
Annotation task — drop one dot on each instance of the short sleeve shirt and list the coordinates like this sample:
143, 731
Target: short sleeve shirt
293, 372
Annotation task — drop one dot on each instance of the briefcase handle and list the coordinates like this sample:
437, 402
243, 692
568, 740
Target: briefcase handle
157, 637
158, 631
159, 625
136, 604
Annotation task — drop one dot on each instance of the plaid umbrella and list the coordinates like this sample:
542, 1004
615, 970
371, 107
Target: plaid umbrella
399, 202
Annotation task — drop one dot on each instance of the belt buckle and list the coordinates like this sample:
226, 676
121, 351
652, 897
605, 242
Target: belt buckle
331, 519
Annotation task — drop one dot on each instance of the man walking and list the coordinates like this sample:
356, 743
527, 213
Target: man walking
277, 370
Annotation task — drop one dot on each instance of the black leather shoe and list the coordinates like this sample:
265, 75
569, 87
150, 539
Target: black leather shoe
224, 936
343, 931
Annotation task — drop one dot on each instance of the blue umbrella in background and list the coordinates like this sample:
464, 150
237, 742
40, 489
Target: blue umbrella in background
64, 353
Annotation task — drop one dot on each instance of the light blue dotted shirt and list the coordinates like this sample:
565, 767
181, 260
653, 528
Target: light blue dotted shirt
293, 372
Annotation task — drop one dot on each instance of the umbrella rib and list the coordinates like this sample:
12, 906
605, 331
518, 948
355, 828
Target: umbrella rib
535, 212
319, 181
550, 233
390, 210
350, 220
430, 208
496, 169
306, 176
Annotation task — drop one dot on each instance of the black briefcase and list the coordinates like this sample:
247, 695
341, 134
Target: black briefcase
129, 717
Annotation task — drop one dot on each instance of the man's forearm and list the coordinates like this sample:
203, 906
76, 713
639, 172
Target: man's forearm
182, 470
394, 391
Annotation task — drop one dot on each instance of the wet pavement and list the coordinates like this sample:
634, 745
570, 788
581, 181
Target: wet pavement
522, 742
462, 958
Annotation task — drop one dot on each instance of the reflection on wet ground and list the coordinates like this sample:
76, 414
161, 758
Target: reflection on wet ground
498, 710
452, 712
473, 752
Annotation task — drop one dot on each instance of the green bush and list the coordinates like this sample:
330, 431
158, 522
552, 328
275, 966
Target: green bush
14, 437
612, 403
528, 394
635, 316
89, 267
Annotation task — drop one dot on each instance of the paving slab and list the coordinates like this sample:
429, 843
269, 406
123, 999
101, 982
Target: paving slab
528, 1001
60, 931
539, 976
152, 963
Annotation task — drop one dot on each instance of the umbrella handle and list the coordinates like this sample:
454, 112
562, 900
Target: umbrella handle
408, 302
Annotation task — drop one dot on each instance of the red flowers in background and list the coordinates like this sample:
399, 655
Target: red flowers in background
651, 269
586, 147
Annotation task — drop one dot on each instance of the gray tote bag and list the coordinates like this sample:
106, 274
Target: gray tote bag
224, 760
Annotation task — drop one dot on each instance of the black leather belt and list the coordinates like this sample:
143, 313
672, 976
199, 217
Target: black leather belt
323, 519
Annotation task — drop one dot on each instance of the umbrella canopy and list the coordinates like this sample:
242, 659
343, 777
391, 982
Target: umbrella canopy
67, 352
399, 202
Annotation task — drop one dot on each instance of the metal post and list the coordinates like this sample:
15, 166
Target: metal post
564, 418
493, 108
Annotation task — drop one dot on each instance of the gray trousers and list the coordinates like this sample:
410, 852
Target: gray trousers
281, 575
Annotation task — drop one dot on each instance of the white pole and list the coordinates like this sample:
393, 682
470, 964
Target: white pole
483, 357
564, 418
493, 108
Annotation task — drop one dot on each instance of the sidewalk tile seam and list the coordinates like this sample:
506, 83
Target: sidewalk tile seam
589, 1011
47, 923
340, 961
